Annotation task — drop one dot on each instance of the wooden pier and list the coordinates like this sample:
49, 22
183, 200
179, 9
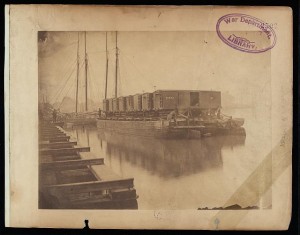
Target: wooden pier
70, 177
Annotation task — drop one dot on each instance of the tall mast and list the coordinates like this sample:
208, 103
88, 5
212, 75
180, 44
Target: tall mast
106, 75
86, 65
77, 74
117, 62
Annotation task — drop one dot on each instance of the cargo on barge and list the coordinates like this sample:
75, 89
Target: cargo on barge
169, 114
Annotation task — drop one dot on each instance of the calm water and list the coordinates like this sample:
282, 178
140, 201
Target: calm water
183, 174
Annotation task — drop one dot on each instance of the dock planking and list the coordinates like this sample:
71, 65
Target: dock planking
52, 133
71, 176
58, 139
91, 186
57, 134
66, 144
71, 164
64, 151
46, 137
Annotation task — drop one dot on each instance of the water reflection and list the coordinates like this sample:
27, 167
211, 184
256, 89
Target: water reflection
164, 158
208, 170
168, 158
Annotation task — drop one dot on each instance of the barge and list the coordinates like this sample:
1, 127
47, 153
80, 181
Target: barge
169, 114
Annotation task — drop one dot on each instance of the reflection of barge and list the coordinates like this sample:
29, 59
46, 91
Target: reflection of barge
169, 114
169, 158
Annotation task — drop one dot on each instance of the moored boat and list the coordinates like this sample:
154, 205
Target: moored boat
169, 114
166, 113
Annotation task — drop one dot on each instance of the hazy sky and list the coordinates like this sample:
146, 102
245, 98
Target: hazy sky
166, 60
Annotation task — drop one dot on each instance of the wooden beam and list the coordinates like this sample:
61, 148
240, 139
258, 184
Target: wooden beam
49, 128
64, 151
66, 158
42, 134
92, 186
51, 132
60, 139
122, 194
71, 164
46, 136
66, 144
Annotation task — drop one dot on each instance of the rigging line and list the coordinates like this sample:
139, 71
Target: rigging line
80, 75
119, 79
122, 54
98, 90
106, 68
68, 67
86, 66
116, 72
128, 73
81, 81
92, 96
66, 81
70, 88
62, 80
79, 93
65, 85
125, 72
93, 84
61, 86
73, 84
90, 86
77, 75
64, 88
91, 93
135, 74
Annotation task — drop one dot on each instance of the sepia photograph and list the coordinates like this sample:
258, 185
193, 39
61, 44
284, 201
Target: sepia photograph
173, 123
123, 113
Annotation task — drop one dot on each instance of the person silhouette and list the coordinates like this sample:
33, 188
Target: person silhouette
54, 115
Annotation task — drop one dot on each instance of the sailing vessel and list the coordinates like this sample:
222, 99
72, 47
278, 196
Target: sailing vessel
81, 118
166, 113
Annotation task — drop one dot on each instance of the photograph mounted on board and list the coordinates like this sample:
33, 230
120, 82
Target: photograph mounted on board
150, 117
122, 113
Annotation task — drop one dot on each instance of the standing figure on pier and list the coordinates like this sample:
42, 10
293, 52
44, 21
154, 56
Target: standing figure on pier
54, 115
219, 112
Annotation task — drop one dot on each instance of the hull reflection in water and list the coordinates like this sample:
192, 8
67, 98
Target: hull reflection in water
169, 158
172, 174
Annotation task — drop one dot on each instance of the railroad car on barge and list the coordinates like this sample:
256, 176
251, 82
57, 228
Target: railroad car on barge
169, 114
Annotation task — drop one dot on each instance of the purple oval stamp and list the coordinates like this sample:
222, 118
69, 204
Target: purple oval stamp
246, 33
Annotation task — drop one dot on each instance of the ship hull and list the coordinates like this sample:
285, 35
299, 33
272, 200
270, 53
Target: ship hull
162, 129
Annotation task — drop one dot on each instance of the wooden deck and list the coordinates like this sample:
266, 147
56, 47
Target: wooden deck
71, 177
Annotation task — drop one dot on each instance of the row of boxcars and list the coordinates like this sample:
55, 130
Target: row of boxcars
164, 100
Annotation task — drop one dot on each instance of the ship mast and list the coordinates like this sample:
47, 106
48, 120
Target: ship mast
106, 75
77, 74
117, 63
86, 66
